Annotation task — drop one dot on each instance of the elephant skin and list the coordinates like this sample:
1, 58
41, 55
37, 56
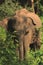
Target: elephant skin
3, 23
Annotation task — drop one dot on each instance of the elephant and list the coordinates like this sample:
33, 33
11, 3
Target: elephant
27, 26
4, 22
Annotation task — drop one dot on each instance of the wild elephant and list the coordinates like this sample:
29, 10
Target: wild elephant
27, 26
35, 21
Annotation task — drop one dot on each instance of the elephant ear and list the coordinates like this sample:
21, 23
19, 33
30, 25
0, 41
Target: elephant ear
3, 23
35, 19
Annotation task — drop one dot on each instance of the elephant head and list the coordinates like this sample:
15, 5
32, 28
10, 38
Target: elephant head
33, 16
21, 24
24, 31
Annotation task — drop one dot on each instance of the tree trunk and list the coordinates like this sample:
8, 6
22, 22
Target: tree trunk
32, 2
36, 7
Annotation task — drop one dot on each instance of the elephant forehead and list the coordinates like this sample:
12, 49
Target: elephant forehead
36, 19
23, 20
22, 11
18, 18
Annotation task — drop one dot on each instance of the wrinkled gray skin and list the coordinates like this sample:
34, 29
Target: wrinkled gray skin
27, 34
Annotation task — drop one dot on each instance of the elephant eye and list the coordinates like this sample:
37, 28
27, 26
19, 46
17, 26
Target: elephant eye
26, 32
18, 22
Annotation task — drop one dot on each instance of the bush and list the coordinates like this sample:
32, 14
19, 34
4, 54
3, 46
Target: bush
7, 49
8, 8
8, 53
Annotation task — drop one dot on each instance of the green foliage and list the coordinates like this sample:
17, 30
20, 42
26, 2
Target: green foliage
2, 34
41, 10
42, 30
7, 49
8, 8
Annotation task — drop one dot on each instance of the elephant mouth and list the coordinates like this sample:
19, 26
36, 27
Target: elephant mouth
19, 32
26, 32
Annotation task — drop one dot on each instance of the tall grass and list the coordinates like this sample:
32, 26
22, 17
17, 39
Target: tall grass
8, 53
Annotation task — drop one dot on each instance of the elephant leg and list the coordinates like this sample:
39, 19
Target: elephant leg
39, 40
27, 41
21, 49
17, 52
